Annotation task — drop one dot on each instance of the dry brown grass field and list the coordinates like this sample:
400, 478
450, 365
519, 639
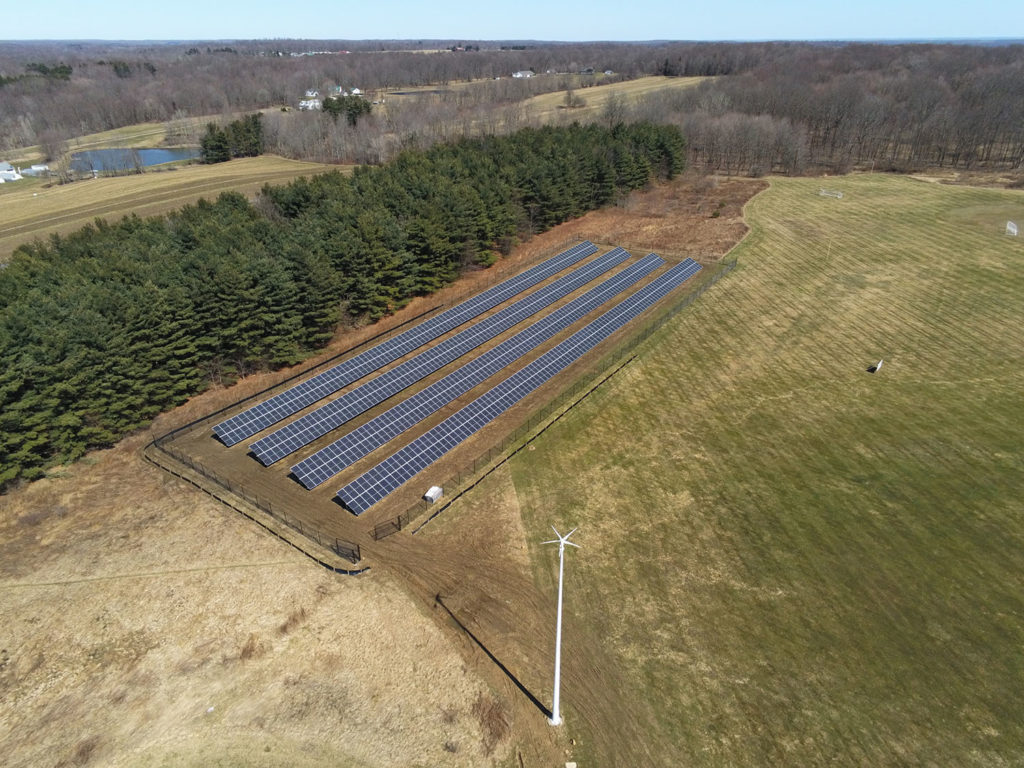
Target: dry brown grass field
551, 106
30, 209
144, 624
132, 604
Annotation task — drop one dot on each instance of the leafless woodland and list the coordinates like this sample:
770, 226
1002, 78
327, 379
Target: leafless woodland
765, 107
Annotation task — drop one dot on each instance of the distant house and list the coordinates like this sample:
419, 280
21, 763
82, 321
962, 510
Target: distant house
309, 104
524, 73
312, 93
587, 71
608, 72
8, 172
356, 91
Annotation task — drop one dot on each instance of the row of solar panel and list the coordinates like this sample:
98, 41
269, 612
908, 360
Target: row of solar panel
292, 400
375, 484
332, 459
332, 415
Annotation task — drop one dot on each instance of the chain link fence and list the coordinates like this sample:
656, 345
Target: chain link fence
344, 549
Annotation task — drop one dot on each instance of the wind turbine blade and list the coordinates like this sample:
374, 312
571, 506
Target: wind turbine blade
553, 541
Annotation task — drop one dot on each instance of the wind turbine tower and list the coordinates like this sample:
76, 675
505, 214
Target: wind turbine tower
561, 541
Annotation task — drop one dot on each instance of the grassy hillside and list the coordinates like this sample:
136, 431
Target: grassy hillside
32, 210
793, 561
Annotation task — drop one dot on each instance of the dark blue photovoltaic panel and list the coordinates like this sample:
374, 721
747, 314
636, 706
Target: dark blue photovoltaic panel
332, 415
331, 460
373, 485
292, 400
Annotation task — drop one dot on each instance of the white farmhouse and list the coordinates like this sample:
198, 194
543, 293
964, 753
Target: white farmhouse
524, 73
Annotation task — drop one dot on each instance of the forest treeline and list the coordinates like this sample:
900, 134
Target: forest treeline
766, 107
893, 108
786, 108
103, 329
160, 82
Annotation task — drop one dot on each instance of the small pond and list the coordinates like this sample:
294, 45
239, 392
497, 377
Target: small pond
127, 159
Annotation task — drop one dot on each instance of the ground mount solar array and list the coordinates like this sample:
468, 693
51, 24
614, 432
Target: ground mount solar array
328, 417
292, 400
382, 372
387, 476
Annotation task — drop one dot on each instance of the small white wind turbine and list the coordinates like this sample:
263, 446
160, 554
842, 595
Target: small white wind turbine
561, 541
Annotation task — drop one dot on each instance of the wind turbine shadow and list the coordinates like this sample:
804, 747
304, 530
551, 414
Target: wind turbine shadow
515, 680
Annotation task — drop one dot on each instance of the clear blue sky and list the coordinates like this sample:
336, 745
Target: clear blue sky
512, 19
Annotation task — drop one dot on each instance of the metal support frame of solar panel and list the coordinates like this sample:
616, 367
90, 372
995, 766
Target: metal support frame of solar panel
333, 414
329, 461
294, 399
375, 484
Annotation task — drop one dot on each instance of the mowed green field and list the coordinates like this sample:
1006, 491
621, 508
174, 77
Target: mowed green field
793, 561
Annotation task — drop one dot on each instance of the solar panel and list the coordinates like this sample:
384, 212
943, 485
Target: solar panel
292, 400
332, 415
332, 459
375, 484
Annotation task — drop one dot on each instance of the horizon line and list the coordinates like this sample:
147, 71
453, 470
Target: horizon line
886, 40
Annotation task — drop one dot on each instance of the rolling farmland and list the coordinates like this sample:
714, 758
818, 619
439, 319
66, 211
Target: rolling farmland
31, 210
785, 559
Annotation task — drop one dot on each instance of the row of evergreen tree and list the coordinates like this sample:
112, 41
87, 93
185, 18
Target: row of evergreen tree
103, 329
352, 107
240, 138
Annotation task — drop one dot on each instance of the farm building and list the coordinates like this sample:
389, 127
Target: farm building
8, 172
524, 73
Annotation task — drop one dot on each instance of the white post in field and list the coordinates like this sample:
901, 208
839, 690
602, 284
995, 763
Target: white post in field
561, 541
